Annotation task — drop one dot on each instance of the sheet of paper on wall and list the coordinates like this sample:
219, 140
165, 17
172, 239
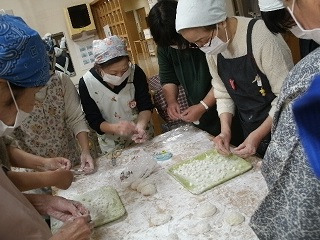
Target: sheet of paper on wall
85, 53
107, 31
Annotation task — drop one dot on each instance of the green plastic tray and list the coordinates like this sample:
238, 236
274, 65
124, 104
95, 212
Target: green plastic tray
103, 203
208, 170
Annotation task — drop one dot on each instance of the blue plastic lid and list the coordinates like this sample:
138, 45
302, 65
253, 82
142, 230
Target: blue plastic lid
163, 156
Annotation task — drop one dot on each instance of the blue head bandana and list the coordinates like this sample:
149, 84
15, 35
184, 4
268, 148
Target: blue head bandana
23, 57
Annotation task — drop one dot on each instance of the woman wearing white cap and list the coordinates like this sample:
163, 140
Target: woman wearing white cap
291, 209
248, 65
279, 20
115, 97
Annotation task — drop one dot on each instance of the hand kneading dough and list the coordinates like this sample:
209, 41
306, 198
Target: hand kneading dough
149, 190
234, 218
206, 210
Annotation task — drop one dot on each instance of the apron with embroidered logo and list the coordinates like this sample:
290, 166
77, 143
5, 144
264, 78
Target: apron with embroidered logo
114, 108
249, 89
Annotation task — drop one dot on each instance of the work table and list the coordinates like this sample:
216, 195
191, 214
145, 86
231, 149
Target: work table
241, 194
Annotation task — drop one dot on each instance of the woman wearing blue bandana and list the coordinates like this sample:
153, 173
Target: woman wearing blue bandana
56, 126
24, 69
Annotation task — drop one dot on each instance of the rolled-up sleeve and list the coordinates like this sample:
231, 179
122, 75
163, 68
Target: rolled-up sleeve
224, 101
74, 114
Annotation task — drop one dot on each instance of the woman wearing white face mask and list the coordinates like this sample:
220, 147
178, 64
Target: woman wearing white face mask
291, 209
248, 65
279, 20
115, 97
22, 74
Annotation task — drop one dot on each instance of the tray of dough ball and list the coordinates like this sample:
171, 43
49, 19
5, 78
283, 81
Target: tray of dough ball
208, 170
103, 203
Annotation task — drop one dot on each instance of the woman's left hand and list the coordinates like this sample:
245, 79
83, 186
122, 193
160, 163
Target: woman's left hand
248, 147
87, 163
57, 207
139, 136
64, 209
193, 113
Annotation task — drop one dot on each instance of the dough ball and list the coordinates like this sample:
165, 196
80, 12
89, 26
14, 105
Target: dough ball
160, 219
173, 236
149, 190
143, 183
234, 218
135, 184
206, 210
199, 228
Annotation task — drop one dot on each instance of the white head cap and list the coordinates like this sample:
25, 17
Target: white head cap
199, 13
271, 5
109, 48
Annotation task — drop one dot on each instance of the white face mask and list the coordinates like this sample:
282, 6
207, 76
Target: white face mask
299, 32
216, 45
115, 80
21, 115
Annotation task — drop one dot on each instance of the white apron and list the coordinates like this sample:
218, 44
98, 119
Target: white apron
114, 108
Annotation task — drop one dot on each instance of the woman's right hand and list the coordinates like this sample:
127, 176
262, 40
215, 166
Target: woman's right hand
125, 128
222, 143
55, 163
173, 111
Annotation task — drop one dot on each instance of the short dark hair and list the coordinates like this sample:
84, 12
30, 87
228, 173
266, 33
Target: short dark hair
278, 21
161, 20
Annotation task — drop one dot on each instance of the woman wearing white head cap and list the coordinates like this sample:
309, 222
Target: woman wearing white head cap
115, 97
291, 209
279, 20
248, 65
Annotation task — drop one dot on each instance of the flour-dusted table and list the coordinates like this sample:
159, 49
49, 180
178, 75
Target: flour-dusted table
241, 194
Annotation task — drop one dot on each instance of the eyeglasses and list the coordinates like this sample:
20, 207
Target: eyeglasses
208, 44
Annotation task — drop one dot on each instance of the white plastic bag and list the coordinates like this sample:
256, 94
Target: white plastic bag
140, 166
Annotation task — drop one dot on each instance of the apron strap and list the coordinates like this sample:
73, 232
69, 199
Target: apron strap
249, 36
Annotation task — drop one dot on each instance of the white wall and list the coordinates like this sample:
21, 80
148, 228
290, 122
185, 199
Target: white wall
47, 16
136, 4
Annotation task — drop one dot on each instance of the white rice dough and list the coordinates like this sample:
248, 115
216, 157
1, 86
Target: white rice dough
234, 218
206, 210
160, 219
135, 184
199, 228
173, 236
149, 190
143, 183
